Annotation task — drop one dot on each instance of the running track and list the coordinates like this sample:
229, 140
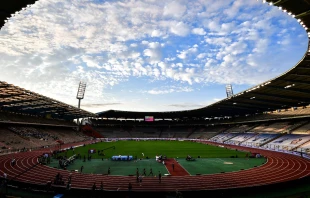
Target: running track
279, 167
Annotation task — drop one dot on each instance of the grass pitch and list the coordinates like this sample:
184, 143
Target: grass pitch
172, 149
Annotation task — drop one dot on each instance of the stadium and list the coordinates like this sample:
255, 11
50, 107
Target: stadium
254, 143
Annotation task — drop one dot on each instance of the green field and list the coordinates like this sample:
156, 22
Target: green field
172, 149
212, 159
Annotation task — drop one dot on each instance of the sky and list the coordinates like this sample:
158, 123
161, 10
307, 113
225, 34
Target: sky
154, 55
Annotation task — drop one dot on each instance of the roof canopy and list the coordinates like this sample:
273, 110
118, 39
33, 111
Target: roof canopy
19, 100
10, 7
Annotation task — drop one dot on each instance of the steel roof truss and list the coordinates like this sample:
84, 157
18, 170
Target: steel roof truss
291, 90
296, 82
293, 98
273, 102
277, 3
302, 14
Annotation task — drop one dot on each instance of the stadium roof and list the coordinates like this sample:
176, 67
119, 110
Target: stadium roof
291, 89
10, 7
16, 99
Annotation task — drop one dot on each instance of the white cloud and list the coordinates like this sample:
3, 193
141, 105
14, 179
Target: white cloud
180, 28
153, 52
184, 53
157, 33
168, 90
202, 55
198, 31
174, 9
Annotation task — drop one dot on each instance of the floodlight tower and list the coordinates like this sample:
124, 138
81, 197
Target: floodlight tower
229, 91
80, 95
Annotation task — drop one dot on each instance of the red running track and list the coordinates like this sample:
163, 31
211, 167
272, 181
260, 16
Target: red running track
279, 167
177, 170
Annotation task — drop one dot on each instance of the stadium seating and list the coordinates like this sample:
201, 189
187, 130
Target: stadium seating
277, 127
222, 137
240, 128
241, 137
204, 132
260, 139
17, 138
303, 129
288, 142
13, 117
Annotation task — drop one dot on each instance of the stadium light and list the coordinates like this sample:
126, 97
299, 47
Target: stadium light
229, 91
80, 95
81, 90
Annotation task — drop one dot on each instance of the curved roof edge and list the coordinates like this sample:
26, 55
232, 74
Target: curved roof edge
19, 100
11, 7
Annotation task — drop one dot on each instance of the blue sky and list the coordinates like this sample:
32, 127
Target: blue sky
150, 55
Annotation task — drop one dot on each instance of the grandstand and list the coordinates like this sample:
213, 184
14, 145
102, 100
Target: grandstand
260, 139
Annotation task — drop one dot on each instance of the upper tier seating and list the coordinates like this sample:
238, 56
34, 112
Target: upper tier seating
240, 128
277, 127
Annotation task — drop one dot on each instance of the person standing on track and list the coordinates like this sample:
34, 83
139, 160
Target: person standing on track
151, 172
129, 186
140, 180
101, 186
144, 172
159, 176
172, 166
137, 176
70, 177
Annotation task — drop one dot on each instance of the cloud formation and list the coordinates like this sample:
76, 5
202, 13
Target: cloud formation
167, 90
52, 45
